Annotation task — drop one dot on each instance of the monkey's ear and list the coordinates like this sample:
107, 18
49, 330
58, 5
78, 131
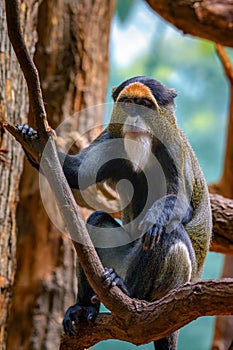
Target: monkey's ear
172, 93
114, 95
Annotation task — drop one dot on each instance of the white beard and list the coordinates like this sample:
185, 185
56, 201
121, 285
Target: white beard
138, 149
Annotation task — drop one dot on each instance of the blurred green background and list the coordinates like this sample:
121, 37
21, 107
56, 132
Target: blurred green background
143, 44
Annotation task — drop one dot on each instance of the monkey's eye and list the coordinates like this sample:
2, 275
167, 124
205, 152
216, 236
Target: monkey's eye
146, 103
125, 100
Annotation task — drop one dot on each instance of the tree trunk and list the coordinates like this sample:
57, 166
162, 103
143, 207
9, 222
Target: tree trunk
13, 107
72, 58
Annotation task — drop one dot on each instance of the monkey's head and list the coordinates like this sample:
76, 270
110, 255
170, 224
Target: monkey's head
143, 112
140, 103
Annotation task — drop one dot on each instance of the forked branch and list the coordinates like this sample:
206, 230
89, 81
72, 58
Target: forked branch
44, 150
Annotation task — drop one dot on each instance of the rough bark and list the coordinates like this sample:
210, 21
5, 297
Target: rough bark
147, 322
73, 72
212, 20
222, 211
14, 107
223, 324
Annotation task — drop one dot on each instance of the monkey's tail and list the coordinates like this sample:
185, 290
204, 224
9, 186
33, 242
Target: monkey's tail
167, 343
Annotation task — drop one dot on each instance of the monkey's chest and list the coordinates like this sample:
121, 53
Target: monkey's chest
137, 195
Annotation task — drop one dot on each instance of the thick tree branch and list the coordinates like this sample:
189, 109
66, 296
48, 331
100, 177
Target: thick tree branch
212, 20
148, 321
222, 211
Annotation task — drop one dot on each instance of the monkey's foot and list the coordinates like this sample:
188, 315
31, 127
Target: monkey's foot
75, 313
151, 237
27, 132
111, 279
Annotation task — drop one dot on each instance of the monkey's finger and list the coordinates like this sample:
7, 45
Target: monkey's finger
109, 281
160, 230
68, 328
108, 276
107, 272
151, 238
155, 237
120, 283
24, 129
146, 241
32, 134
70, 316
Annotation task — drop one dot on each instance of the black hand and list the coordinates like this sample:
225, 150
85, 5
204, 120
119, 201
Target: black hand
151, 237
27, 132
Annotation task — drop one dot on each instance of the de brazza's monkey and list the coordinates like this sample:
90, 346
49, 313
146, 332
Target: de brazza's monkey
166, 217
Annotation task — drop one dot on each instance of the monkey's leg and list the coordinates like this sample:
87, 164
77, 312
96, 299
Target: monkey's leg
153, 273
100, 226
170, 342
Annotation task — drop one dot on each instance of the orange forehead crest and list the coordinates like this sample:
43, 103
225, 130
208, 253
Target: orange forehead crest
138, 90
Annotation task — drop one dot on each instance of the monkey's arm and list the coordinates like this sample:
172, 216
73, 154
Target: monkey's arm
88, 166
82, 169
163, 216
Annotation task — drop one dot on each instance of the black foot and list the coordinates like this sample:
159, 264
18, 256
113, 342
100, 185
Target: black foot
111, 279
27, 132
77, 312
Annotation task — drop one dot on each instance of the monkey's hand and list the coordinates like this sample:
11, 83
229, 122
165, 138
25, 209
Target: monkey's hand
28, 134
76, 313
152, 237
111, 279
156, 220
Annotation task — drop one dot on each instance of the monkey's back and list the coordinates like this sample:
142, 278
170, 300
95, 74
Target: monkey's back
199, 228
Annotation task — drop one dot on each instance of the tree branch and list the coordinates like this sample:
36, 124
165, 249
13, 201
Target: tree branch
26, 63
222, 212
225, 185
226, 62
44, 150
147, 322
212, 20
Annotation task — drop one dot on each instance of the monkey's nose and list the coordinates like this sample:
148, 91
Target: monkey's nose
134, 111
133, 119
